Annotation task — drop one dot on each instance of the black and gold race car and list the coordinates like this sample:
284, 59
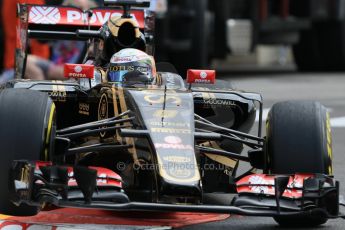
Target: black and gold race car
152, 144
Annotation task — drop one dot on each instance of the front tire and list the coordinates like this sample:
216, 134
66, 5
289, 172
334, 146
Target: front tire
27, 129
299, 141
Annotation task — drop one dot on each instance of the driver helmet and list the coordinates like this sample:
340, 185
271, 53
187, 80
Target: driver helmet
131, 65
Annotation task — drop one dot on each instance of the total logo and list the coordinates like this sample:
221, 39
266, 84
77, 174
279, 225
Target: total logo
173, 142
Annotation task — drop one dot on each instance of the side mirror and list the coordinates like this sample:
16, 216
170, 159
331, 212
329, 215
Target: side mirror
79, 71
201, 76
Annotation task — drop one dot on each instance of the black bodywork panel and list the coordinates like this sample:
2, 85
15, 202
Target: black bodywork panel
166, 111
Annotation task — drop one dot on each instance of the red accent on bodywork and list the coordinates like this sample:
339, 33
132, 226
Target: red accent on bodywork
264, 184
69, 16
201, 76
105, 177
78, 71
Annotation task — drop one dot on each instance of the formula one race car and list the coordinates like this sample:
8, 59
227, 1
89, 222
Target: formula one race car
119, 135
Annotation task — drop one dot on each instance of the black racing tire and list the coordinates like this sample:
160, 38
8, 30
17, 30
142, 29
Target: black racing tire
299, 141
321, 48
27, 127
307, 52
197, 32
331, 38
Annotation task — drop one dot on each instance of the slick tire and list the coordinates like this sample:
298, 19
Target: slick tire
27, 127
197, 34
307, 52
299, 140
322, 48
331, 37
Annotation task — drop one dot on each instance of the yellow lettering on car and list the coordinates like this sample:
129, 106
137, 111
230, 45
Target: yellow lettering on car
165, 113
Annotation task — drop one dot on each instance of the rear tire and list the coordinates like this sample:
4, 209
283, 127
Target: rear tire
331, 36
27, 129
322, 48
196, 32
307, 52
299, 141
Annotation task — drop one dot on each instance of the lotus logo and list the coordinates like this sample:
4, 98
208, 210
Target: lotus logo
203, 74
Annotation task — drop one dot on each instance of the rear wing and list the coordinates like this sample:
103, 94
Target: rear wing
62, 18
62, 23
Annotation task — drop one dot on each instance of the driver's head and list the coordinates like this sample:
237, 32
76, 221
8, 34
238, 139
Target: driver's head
131, 65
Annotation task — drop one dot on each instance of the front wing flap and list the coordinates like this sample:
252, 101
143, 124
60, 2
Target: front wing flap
37, 182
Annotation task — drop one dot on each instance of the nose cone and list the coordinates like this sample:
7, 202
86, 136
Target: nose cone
169, 118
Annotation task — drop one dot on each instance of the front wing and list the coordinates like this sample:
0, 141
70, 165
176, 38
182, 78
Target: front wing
37, 183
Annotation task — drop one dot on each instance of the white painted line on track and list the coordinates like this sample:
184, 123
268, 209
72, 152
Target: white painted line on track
336, 122
264, 115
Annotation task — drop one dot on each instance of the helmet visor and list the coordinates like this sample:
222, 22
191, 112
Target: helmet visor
116, 76
116, 72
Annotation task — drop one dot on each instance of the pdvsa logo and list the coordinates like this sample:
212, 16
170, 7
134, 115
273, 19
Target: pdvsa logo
173, 142
78, 68
203, 74
44, 15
